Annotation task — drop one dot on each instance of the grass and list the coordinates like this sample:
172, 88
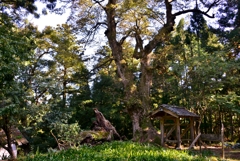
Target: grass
117, 151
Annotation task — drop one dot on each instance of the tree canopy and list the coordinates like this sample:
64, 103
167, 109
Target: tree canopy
145, 56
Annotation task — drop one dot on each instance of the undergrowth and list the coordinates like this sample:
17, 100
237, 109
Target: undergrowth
117, 151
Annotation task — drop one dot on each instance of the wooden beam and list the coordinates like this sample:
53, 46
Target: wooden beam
168, 117
222, 139
185, 131
194, 141
162, 131
178, 133
202, 143
192, 128
170, 131
170, 113
171, 141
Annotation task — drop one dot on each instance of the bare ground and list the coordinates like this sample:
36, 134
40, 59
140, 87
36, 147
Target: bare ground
229, 153
216, 151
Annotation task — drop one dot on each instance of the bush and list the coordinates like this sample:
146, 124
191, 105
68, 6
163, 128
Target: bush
117, 151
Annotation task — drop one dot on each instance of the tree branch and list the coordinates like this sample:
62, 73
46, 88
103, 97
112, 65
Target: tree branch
124, 38
99, 3
216, 2
193, 10
213, 4
103, 64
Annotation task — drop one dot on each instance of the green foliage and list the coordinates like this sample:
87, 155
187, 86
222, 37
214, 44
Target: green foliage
52, 122
96, 135
44, 82
118, 151
196, 71
57, 77
15, 9
107, 97
67, 133
16, 48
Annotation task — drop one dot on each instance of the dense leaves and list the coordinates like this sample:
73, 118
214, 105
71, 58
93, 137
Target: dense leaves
16, 49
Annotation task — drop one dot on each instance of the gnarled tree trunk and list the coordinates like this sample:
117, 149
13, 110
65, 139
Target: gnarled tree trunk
103, 124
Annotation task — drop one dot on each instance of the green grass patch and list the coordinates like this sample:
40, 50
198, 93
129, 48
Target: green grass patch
117, 151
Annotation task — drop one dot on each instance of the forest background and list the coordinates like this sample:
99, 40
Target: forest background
143, 60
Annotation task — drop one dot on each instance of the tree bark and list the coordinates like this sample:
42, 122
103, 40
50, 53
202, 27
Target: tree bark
136, 123
103, 123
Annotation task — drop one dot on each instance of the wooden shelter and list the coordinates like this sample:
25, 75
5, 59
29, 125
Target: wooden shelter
178, 119
17, 140
17, 137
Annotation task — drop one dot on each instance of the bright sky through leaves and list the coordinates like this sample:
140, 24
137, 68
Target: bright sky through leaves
51, 19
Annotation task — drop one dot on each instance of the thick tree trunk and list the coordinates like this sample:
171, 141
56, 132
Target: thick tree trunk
135, 95
136, 123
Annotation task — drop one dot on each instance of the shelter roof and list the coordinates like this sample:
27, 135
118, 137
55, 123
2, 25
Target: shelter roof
16, 136
173, 110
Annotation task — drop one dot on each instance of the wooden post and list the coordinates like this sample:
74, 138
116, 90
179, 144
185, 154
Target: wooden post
178, 133
222, 139
192, 129
162, 130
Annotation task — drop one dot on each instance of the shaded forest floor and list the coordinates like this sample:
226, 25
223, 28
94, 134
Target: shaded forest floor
216, 151
230, 154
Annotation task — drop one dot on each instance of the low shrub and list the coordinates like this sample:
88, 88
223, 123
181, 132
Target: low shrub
117, 151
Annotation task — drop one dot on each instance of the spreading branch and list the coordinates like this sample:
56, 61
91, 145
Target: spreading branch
103, 63
168, 27
193, 10
124, 38
99, 3
215, 3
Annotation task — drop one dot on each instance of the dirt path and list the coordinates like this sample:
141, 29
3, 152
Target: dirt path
230, 154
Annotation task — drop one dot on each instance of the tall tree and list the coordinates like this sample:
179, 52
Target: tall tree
198, 75
56, 75
16, 49
228, 30
139, 22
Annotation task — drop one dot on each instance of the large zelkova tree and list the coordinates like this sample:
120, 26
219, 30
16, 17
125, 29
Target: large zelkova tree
145, 24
